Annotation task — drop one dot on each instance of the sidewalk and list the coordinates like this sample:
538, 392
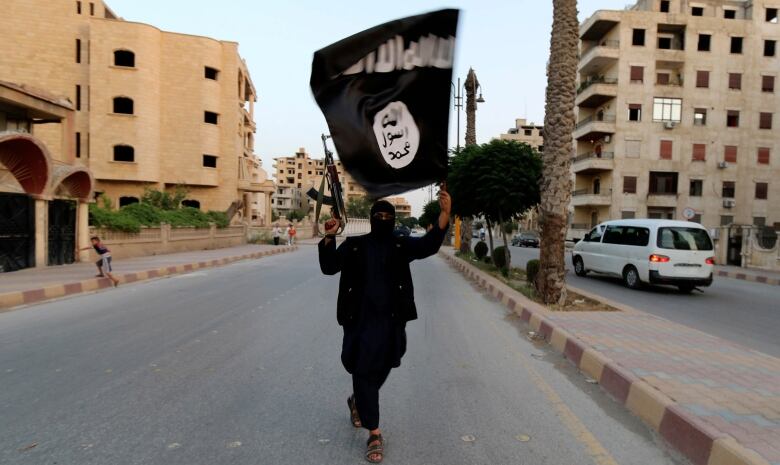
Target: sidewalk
716, 402
35, 285
749, 274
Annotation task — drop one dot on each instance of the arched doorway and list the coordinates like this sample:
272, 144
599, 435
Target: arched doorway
70, 182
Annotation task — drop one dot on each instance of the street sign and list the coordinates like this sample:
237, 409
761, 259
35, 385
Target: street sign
688, 213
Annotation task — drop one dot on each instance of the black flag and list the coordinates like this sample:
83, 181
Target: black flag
385, 94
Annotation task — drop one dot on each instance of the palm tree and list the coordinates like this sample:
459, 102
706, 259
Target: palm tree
558, 150
471, 139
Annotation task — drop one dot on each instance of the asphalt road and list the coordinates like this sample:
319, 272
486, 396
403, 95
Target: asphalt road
740, 311
240, 365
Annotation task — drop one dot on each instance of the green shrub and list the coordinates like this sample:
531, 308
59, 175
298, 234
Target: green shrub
132, 217
531, 270
500, 257
487, 260
219, 218
480, 250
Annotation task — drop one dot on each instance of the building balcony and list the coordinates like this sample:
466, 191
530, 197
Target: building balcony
592, 163
595, 92
662, 199
586, 198
595, 127
600, 56
599, 24
671, 58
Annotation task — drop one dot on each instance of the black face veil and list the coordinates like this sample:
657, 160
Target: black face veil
385, 93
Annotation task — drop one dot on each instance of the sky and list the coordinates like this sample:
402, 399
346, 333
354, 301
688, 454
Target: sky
505, 41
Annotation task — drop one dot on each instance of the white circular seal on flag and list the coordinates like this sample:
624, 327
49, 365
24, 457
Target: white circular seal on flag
396, 134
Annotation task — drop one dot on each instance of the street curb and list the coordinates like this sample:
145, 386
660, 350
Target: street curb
696, 440
10, 300
753, 278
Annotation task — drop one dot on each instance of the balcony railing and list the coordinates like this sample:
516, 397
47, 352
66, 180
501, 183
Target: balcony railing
606, 118
586, 156
596, 80
612, 44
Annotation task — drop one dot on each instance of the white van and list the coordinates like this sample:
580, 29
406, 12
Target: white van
679, 253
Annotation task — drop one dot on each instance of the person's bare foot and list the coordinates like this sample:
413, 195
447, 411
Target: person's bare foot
116, 282
375, 452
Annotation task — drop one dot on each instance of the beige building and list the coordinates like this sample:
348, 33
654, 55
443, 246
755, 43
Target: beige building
402, 208
153, 108
297, 174
528, 133
679, 114
44, 193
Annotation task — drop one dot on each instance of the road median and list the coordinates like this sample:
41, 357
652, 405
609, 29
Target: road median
714, 401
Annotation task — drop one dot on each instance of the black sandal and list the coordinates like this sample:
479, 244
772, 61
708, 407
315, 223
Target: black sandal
353, 413
376, 449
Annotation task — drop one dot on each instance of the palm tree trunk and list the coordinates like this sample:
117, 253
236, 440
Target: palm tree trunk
465, 234
507, 258
558, 150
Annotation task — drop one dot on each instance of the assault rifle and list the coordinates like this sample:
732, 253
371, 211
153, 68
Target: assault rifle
336, 199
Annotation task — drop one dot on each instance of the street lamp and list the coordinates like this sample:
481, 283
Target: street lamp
458, 97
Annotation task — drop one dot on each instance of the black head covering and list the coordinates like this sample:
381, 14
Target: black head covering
382, 227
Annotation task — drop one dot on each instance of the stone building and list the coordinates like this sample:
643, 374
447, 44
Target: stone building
402, 208
525, 132
297, 174
152, 108
678, 114
44, 192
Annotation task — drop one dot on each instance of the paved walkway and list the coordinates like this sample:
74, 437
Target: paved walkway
749, 274
715, 401
35, 278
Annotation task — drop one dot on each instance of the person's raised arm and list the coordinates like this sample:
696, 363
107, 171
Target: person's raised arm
429, 244
330, 256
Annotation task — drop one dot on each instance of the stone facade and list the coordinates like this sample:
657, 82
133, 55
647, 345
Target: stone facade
84, 51
528, 133
402, 208
678, 114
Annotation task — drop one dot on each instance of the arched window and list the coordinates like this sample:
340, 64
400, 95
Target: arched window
124, 153
125, 201
191, 203
124, 58
123, 105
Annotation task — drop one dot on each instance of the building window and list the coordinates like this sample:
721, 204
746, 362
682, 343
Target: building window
627, 215
699, 116
666, 150
78, 50
638, 38
726, 220
300, 175
662, 79
78, 145
702, 79
667, 109
767, 83
696, 218
696, 188
209, 161
664, 7
191, 203
704, 42
663, 183
125, 201
124, 58
765, 121
637, 73
771, 15
123, 105
763, 155
124, 153
735, 81
728, 189
732, 118
697, 11
78, 8
759, 221
762, 189
210, 73
769, 48
629, 184
664, 42
730, 153
78, 97
210, 117
634, 112
92, 9
729, 14
736, 45
527, 132
699, 152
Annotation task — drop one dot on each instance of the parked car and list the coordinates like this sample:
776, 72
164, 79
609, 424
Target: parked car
402, 230
526, 239
678, 253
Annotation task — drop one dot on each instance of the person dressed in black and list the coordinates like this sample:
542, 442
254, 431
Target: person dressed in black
376, 300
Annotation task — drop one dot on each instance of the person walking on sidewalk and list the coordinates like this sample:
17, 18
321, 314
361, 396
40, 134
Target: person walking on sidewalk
277, 233
291, 232
104, 262
376, 300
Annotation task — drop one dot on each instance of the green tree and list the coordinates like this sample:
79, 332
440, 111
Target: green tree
431, 212
498, 180
358, 207
410, 222
165, 200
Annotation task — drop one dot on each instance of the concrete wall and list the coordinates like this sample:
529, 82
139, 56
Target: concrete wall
163, 240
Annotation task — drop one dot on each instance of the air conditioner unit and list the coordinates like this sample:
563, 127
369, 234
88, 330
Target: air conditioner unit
669, 125
723, 165
715, 233
729, 203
